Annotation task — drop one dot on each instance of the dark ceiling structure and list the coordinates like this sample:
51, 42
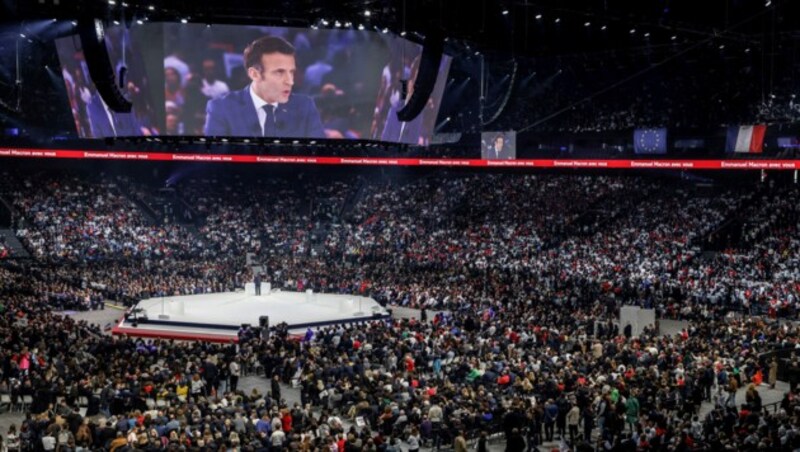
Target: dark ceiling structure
520, 27
539, 42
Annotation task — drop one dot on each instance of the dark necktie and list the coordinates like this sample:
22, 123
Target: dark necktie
269, 121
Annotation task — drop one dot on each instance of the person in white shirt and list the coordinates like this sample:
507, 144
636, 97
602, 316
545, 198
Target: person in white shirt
212, 87
277, 439
413, 440
49, 442
12, 439
235, 372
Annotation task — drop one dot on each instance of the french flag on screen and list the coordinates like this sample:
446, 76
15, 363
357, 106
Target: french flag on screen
748, 139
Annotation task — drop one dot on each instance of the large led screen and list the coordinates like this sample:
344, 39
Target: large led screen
249, 81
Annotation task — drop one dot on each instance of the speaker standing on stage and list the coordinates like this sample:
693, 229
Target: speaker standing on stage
257, 281
235, 372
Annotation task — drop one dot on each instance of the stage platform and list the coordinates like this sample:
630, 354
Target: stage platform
217, 317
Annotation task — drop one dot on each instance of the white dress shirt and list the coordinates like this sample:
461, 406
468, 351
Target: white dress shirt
259, 103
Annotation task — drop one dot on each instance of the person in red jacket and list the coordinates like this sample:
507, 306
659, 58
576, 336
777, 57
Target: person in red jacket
286, 421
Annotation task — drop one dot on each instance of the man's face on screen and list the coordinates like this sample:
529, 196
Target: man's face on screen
498, 143
275, 81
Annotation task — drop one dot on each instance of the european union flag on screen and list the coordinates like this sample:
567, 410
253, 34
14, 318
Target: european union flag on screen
650, 141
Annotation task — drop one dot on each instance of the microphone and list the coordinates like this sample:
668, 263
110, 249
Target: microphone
403, 90
122, 71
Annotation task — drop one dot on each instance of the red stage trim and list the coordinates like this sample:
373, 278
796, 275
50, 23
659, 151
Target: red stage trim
139, 332
158, 334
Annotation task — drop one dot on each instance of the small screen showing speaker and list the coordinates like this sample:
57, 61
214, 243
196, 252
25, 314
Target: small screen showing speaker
499, 145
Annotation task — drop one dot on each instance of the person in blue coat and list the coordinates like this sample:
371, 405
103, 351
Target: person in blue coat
105, 123
267, 107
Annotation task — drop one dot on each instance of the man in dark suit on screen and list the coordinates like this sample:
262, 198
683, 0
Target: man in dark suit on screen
499, 150
104, 123
267, 106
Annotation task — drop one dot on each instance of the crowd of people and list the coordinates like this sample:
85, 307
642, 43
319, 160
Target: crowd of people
73, 220
639, 240
530, 271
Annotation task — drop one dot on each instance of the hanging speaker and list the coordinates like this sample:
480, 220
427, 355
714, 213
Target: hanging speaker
93, 41
426, 77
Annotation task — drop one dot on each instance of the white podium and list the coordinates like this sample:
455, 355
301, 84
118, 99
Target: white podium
637, 318
250, 288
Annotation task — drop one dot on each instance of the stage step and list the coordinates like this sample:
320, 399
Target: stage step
9, 238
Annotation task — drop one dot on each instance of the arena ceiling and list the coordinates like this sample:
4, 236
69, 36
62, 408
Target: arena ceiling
517, 27
580, 34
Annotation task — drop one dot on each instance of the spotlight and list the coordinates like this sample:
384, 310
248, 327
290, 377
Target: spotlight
22, 35
604, 28
558, 20
112, 2
721, 46
674, 37
768, 3
312, 142
277, 141
74, 22
348, 24
337, 24
647, 35
505, 12
325, 22
385, 30
586, 24
184, 21
402, 33
633, 30
747, 50
139, 21
538, 17
360, 26
116, 22
367, 13
151, 8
